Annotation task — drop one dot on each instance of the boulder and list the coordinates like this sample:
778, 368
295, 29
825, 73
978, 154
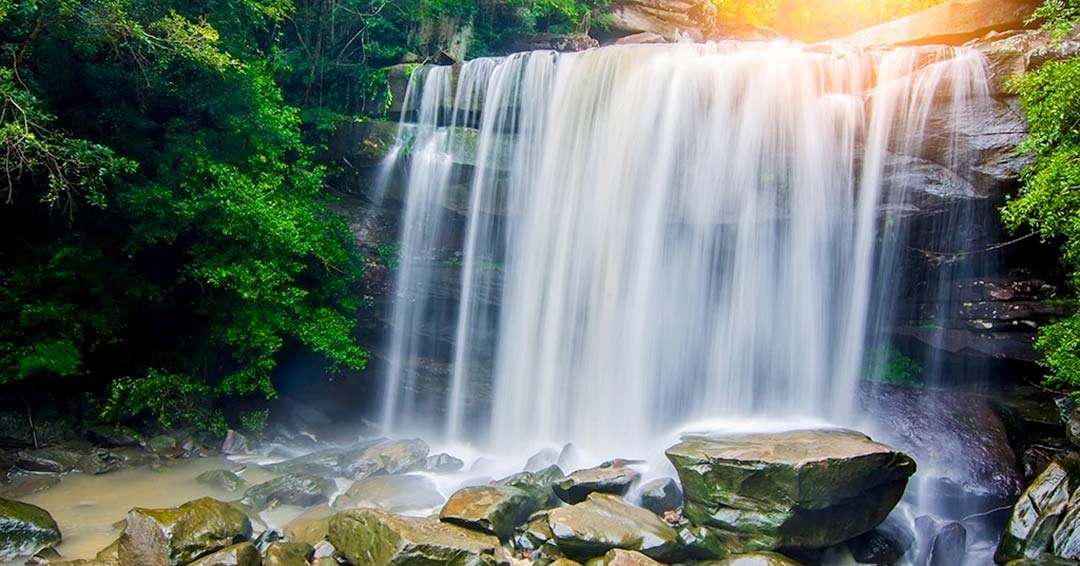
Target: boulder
809, 488
243, 554
288, 554
643, 38
377, 538
181, 535
321, 463
234, 443
384, 458
944, 543
1066, 540
161, 442
534, 534
562, 42
113, 436
980, 464
754, 559
875, 547
612, 478
391, 493
48, 460
311, 526
443, 464
98, 462
661, 495
620, 557
301, 490
493, 509
539, 484
223, 480
605, 522
544, 458
21, 485
1038, 512
25, 530
951, 23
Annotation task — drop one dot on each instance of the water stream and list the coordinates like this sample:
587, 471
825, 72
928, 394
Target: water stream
655, 234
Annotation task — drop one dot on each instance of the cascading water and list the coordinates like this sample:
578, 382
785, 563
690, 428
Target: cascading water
606, 246
680, 232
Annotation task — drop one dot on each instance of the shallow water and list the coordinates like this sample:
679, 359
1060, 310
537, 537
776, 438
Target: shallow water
89, 508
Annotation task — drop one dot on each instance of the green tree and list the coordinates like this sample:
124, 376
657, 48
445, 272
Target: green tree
1049, 201
164, 217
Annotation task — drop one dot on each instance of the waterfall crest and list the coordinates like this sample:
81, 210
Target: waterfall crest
653, 235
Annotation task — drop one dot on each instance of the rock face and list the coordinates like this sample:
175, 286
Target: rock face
614, 478
697, 19
1046, 519
493, 509
291, 489
604, 522
179, 536
810, 489
952, 23
25, 529
377, 538
981, 462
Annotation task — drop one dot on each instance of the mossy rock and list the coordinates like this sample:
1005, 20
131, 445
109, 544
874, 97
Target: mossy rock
539, 484
301, 490
619, 557
604, 522
25, 530
614, 479
493, 509
288, 554
311, 526
180, 535
223, 480
243, 554
376, 538
1038, 512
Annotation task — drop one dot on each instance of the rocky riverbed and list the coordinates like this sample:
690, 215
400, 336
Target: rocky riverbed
775, 497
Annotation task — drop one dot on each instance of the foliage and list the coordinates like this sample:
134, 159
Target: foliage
169, 399
165, 218
887, 365
1057, 16
255, 421
1049, 201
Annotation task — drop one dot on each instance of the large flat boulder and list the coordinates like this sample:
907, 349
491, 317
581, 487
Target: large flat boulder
800, 489
605, 522
377, 538
953, 23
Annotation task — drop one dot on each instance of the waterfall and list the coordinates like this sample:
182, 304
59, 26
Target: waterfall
608, 244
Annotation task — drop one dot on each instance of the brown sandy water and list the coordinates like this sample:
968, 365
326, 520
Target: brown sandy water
88, 508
